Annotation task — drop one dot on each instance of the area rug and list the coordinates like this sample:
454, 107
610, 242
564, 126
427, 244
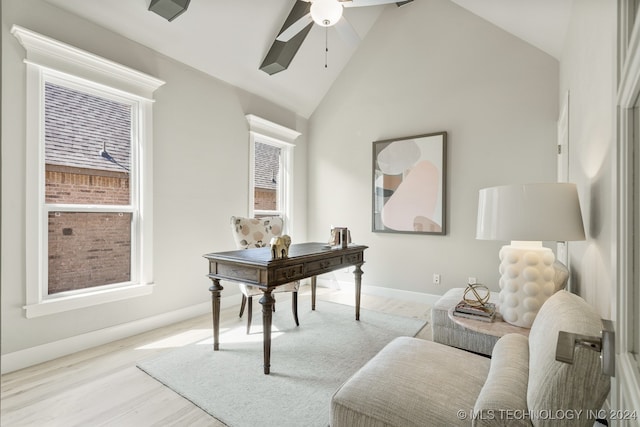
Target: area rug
308, 364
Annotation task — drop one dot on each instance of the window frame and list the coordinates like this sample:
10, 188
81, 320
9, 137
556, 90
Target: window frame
625, 388
50, 60
132, 208
266, 132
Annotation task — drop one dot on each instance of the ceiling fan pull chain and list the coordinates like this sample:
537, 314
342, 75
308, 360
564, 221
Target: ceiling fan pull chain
326, 45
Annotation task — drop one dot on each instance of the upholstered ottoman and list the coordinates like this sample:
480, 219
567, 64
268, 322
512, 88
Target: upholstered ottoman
446, 331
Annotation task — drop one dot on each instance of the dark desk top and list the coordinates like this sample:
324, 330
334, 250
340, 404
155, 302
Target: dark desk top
297, 252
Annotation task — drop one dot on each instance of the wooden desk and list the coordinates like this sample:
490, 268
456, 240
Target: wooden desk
255, 267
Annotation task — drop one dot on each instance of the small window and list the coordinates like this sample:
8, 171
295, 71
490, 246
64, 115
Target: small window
271, 169
267, 188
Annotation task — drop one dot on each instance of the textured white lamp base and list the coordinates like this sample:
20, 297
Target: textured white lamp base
526, 281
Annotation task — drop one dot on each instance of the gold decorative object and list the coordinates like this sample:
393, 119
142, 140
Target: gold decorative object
280, 246
480, 295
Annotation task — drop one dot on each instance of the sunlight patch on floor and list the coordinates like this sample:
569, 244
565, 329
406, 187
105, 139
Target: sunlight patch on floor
178, 340
233, 334
239, 335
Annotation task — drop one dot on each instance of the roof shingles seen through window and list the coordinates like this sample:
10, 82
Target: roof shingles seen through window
267, 166
78, 125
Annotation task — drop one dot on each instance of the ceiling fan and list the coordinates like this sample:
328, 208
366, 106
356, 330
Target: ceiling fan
325, 13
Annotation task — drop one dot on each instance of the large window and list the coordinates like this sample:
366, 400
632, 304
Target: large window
88, 178
271, 169
91, 211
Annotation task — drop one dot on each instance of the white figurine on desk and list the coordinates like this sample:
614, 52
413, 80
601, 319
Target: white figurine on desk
280, 246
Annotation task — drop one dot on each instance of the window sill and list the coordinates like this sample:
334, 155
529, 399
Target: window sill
73, 302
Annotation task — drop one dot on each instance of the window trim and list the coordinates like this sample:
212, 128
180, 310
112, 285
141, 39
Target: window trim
48, 58
625, 389
267, 132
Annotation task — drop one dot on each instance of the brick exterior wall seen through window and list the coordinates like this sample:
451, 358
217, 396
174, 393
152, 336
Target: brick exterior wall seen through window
265, 200
88, 249
70, 185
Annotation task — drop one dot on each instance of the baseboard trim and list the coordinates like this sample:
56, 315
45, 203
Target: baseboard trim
43, 353
382, 292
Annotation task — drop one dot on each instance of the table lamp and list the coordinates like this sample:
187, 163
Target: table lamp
527, 215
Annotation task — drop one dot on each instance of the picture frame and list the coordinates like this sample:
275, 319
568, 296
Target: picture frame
409, 184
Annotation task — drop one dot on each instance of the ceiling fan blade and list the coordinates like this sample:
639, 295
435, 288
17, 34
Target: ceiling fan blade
347, 33
295, 28
360, 3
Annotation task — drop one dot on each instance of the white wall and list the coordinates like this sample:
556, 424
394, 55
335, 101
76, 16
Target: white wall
588, 73
432, 66
201, 163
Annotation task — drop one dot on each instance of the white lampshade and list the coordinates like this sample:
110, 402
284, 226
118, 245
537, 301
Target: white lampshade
326, 12
530, 212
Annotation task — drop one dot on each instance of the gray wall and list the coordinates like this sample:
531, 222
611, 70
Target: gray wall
201, 164
588, 73
432, 66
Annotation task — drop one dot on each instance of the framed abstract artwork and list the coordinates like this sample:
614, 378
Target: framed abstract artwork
409, 184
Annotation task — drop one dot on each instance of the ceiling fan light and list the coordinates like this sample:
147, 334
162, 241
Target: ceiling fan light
326, 12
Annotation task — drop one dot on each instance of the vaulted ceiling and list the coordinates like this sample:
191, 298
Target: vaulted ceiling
229, 39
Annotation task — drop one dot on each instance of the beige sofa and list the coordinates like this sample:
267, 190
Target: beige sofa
413, 382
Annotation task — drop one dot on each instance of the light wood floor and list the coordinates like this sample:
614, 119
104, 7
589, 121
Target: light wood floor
102, 386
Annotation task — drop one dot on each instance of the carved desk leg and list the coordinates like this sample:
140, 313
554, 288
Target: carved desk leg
357, 272
313, 292
215, 310
267, 302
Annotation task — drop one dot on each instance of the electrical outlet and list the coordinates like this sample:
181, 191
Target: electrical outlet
471, 280
436, 279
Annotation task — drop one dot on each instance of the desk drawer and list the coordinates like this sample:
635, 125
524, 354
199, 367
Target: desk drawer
325, 264
353, 258
237, 272
293, 272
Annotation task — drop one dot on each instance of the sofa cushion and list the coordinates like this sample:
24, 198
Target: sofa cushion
555, 385
411, 382
504, 394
